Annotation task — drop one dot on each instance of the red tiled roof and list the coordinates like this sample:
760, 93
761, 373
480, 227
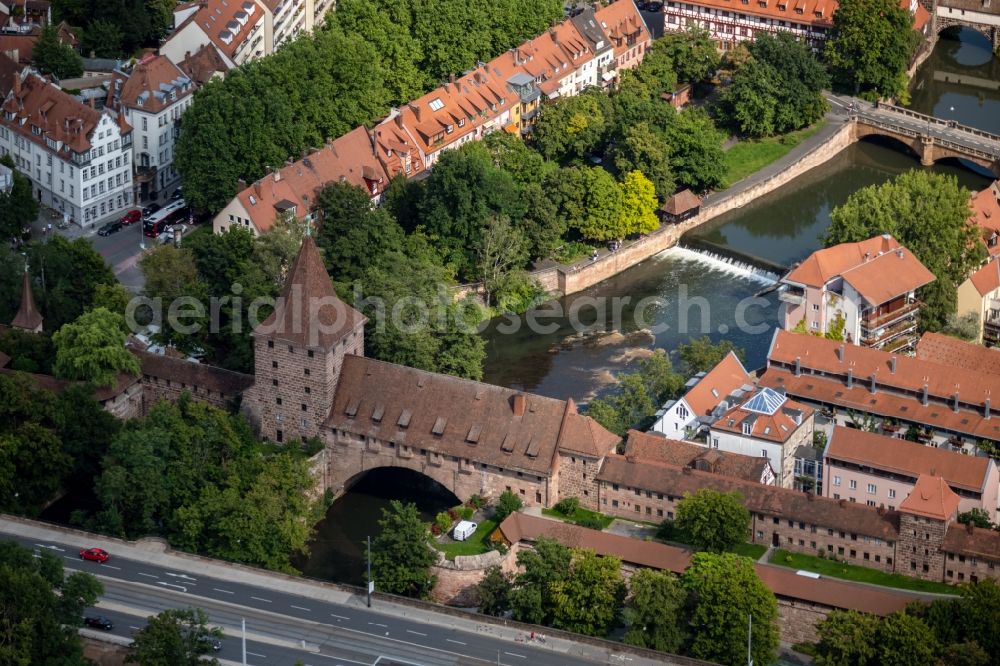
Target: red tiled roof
22, 45
972, 541
682, 202
718, 383
192, 374
932, 498
203, 64
232, 18
621, 20
823, 265
308, 312
985, 206
148, 86
776, 427
987, 279
8, 70
946, 350
910, 458
57, 115
643, 446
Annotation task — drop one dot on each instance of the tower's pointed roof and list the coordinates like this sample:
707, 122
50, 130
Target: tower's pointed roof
28, 317
308, 312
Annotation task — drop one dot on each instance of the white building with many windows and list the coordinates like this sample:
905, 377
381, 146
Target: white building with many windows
79, 159
152, 96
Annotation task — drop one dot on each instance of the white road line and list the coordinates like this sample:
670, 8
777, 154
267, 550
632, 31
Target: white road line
267, 601
384, 626
148, 575
69, 558
223, 591
300, 607
519, 656
454, 641
133, 627
410, 631
339, 617
257, 655
111, 567
179, 587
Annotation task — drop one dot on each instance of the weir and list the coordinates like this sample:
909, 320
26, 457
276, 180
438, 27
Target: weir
740, 262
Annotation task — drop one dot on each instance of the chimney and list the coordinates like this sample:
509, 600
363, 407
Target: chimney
552, 34
289, 162
841, 350
242, 184
277, 175
899, 253
399, 120
343, 179
417, 112
517, 56
986, 409
798, 366
17, 85
91, 103
850, 378
923, 396
256, 187
451, 78
872, 389
868, 255
954, 404
892, 365
520, 402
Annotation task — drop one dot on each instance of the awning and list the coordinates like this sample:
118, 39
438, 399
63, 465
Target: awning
607, 76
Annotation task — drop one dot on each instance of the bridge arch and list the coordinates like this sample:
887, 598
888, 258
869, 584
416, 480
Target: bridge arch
443, 478
870, 135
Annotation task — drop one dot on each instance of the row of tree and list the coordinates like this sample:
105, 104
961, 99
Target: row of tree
116, 28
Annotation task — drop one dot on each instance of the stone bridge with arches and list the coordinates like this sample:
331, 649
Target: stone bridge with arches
931, 139
983, 16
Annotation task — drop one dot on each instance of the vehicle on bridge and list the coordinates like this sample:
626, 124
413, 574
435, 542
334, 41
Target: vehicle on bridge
98, 622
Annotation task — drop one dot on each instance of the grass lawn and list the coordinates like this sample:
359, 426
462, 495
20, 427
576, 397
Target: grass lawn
748, 156
853, 572
751, 550
578, 515
478, 543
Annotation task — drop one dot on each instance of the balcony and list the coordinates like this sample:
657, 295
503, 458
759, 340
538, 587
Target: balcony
792, 295
907, 326
888, 318
991, 331
145, 174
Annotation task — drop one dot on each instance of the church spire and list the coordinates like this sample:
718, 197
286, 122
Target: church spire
28, 317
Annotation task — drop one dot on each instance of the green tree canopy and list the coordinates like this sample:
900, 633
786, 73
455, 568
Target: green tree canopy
401, 554
639, 204
571, 127
696, 155
53, 57
716, 521
41, 609
928, 214
726, 592
846, 638
655, 610
870, 47
175, 637
645, 151
637, 395
494, 591
587, 599
18, 207
904, 640
692, 52
103, 39
92, 349
507, 504
701, 354
546, 564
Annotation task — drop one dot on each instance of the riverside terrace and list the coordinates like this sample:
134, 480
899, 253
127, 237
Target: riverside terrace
947, 405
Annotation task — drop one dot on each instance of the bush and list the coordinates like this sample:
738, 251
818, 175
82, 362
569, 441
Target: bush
568, 506
591, 522
507, 504
477, 502
442, 521
453, 514
465, 513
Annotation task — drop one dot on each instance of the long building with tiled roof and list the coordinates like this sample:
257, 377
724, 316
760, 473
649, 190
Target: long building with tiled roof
504, 94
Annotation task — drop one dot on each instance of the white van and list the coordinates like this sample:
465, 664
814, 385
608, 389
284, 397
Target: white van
464, 530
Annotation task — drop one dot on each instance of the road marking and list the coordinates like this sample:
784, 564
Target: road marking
257, 655
267, 601
111, 567
339, 617
301, 608
147, 575
184, 576
61, 550
513, 654
454, 641
223, 591
410, 631
179, 587
384, 626
133, 627
69, 557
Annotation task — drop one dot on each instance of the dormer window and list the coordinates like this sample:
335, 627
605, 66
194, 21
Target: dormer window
747, 428
461, 122
450, 128
436, 104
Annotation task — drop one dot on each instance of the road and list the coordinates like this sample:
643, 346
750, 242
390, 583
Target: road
285, 628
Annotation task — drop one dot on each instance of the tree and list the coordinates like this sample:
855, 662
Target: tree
587, 599
602, 206
400, 554
511, 154
725, 592
170, 274
904, 640
716, 521
643, 150
701, 354
964, 327
51, 56
502, 249
846, 638
531, 599
570, 127
928, 214
494, 592
657, 72
639, 204
65, 275
637, 395
103, 39
18, 207
692, 52
507, 504
976, 517
92, 349
696, 155
870, 47
654, 611
41, 609
175, 637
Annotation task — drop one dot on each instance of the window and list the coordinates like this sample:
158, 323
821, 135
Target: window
270, 344
277, 401
854, 484
871, 488
815, 307
746, 428
436, 104
892, 494
836, 481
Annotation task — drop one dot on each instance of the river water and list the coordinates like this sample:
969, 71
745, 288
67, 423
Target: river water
678, 294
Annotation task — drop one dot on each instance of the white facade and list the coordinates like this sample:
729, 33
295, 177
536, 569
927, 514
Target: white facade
89, 187
675, 420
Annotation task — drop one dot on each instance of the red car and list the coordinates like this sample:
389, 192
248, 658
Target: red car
94, 555
131, 217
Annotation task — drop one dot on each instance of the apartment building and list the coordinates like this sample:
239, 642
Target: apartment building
946, 405
980, 295
873, 469
865, 292
152, 95
765, 423
985, 206
689, 416
730, 22
79, 159
657, 448
235, 28
504, 94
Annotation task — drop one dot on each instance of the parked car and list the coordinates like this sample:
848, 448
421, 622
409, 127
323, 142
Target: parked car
654, 6
178, 193
150, 209
94, 555
211, 643
464, 530
98, 622
110, 228
131, 217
